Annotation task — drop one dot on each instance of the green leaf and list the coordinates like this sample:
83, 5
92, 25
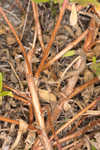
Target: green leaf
69, 53
1, 81
39, 1
44, 1
3, 93
95, 67
93, 148
94, 59
58, 1
6, 93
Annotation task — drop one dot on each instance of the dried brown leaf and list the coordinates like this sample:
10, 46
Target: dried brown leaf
46, 96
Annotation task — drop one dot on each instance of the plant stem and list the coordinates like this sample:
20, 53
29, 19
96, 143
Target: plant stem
46, 52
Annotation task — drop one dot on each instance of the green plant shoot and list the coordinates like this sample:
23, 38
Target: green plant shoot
44, 1
95, 67
94, 59
3, 93
39, 1
69, 53
93, 148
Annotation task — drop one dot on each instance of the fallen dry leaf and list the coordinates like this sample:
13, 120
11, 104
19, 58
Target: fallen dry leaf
10, 39
46, 96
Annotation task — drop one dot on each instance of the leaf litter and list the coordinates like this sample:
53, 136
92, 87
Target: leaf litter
52, 89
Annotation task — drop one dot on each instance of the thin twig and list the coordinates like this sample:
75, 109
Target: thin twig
77, 90
67, 48
16, 75
27, 11
28, 102
21, 94
62, 10
31, 127
79, 132
77, 115
15, 34
69, 66
37, 24
31, 84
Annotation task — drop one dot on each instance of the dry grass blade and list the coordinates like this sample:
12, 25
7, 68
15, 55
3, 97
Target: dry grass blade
22, 129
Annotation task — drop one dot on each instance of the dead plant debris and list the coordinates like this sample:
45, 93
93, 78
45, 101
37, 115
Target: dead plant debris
56, 99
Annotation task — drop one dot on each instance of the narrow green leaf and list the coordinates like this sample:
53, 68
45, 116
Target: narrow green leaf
58, 1
6, 93
69, 53
44, 1
94, 59
93, 148
1, 81
39, 1
95, 67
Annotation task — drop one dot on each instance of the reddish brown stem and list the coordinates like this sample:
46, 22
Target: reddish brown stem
77, 90
90, 38
51, 127
59, 106
9, 120
28, 101
78, 143
31, 84
37, 24
30, 107
31, 127
16, 92
78, 115
15, 34
80, 132
77, 133
62, 10
67, 48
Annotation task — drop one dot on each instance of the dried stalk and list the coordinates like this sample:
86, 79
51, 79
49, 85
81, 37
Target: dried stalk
31, 127
9, 120
28, 102
62, 10
37, 24
19, 93
78, 115
31, 84
77, 90
25, 21
59, 106
67, 48
79, 132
